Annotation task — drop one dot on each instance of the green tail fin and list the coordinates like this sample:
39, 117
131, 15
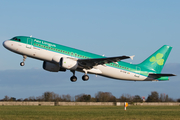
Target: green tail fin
157, 60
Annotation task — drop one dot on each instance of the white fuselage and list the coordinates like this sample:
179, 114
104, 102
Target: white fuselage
51, 56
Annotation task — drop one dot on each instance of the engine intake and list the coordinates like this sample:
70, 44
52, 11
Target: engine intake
52, 67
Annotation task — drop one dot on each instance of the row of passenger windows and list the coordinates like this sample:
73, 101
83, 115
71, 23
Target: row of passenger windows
116, 65
76, 55
62, 51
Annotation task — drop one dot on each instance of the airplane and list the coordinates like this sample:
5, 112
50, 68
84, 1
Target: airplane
57, 58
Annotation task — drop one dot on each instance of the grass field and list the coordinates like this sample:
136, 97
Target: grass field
89, 112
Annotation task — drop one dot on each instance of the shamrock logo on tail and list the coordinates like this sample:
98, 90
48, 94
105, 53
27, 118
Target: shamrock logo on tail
157, 59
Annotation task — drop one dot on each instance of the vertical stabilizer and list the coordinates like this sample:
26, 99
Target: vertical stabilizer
157, 60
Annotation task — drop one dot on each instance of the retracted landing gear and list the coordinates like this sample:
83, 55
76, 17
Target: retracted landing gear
73, 78
85, 77
24, 58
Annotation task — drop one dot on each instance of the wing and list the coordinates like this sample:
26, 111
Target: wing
90, 63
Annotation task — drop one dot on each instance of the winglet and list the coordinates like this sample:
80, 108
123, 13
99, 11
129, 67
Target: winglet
132, 57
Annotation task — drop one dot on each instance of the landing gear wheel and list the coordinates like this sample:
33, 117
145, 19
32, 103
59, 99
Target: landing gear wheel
22, 63
85, 77
73, 79
24, 58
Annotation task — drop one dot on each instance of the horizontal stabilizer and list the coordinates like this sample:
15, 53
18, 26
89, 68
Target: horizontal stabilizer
160, 75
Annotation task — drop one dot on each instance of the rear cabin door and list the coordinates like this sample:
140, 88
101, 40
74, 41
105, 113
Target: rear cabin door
138, 70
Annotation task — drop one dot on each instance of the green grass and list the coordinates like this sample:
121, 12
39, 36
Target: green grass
89, 112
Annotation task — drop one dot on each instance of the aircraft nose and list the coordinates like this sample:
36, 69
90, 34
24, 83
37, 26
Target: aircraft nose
6, 43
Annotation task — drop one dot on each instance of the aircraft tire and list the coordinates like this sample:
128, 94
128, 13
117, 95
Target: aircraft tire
22, 63
85, 77
73, 79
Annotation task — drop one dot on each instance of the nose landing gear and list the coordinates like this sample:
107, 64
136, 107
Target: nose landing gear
24, 58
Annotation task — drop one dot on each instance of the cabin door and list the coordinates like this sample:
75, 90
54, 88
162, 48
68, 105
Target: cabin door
138, 70
29, 43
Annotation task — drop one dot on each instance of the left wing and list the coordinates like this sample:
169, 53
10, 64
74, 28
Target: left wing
90, 63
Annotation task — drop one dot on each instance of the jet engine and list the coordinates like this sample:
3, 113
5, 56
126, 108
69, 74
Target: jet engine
52, 67
68, 63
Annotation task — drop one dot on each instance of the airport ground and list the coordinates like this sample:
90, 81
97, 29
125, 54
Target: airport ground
89, 112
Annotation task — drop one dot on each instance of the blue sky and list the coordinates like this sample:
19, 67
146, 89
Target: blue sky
112, 28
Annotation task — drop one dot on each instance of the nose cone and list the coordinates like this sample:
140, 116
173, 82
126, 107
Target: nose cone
6, 44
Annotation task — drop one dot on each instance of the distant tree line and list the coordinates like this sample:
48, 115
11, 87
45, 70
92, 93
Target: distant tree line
99, 97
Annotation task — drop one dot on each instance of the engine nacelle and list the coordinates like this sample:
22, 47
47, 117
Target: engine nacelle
68, 63
52, 67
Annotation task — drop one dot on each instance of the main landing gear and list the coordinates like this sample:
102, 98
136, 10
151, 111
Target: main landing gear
74, 78
24, 58
85, 77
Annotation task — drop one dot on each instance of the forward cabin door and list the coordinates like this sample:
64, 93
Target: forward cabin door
29, 43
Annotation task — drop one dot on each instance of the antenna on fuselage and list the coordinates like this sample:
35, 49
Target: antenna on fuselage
31, 36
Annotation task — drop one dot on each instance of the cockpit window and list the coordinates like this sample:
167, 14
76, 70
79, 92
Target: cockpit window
16, 39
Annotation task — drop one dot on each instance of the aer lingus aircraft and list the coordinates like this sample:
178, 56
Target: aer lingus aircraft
61, 58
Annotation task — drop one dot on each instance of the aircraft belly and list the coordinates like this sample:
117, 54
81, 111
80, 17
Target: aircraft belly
120, 74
